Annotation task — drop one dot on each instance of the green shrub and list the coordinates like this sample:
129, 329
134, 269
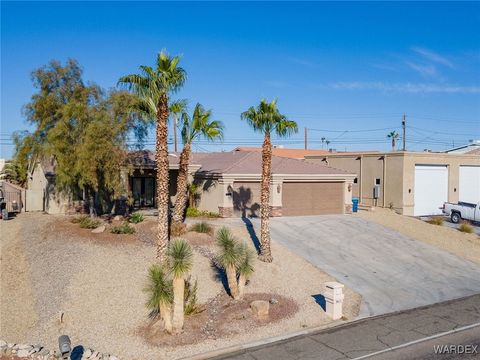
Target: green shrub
125, 228
194, 212
466, 228
87, 222
202, 227
436, 221
136, 218
190, 298
178, 229
78, 219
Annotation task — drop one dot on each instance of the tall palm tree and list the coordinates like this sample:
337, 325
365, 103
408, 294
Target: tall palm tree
180, 256
153, 87
177, 108
198, 125
393, 136
159, 292
266, 118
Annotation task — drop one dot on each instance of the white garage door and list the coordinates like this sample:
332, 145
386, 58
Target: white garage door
431, 189
469, 184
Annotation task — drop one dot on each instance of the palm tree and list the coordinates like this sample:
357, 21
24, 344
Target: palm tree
327, 142
229, 258
393, 136
180, 257
177, 108
323, 141
159, 290
267, 119
199, 125
153, 87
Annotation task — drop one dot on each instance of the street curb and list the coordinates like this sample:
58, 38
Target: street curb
333, 325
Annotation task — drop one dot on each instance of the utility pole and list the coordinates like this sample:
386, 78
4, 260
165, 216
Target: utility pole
404, 123
306, 139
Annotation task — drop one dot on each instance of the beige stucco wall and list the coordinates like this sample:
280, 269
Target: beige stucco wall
211, 195
398, 176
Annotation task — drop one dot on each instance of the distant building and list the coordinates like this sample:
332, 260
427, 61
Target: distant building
472, 148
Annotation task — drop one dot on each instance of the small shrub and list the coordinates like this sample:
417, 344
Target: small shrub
125, 228
78, 219
89, 223
136, 218
190, 297
466, 228
194, 212
436, 221
178, 229
202, 227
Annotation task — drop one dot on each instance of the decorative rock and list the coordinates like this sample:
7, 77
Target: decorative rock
113, 357
117, 218
3, 343
99, 229
23, 347
260, 308
273, 301
23, 353
86, 353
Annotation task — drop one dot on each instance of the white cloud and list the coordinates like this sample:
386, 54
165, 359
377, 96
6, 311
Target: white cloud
433, 56
424, 70
406, 87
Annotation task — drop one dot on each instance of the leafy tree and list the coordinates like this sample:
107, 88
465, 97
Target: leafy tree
199, 125
266, 119
153, 86
393, 136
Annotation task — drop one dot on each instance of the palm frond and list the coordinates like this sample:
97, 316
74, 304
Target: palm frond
245, 266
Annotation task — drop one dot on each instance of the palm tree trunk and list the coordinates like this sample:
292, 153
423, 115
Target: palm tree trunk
182, 184
265, 251
232, 281
161, 160
166, 315
241, 285
178, 304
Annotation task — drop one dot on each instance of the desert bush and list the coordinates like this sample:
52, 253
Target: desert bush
125, 228
236, 259
136, 218
436, 221
87, 222
78, 219
466, 228
178, 229
202, 227
190, 296
194, 212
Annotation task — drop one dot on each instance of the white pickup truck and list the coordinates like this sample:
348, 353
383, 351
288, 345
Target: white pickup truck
462, 210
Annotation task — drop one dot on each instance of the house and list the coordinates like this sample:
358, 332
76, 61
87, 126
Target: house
412, 183
285, 152
473, 148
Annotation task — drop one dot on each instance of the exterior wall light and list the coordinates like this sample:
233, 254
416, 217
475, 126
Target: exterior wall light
279, 188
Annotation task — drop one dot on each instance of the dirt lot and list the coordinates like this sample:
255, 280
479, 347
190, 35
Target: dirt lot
446, 238
49, 266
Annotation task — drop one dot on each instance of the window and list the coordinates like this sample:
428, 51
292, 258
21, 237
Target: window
377, 181
355, 181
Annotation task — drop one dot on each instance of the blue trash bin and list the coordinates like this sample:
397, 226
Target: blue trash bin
355, 204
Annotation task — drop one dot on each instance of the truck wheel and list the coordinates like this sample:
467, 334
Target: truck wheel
455, 217
4, 214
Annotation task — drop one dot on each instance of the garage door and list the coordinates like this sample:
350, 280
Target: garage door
312, 198
469, 184
431, 189
246, 199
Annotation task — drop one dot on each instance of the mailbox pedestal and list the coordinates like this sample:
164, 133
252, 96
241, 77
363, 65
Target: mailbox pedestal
334, 299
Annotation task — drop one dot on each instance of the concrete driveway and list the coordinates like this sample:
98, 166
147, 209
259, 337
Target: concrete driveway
391, 271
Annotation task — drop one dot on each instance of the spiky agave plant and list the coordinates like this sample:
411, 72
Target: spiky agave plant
245, 268
159, 291
229, 258
180, 257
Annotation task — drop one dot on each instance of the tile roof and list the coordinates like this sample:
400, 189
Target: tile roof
285, 152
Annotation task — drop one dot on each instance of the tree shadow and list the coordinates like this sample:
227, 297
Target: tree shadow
77, 352
320, 300
251, 232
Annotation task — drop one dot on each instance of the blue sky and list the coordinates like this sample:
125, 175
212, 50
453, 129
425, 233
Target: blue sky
332, 66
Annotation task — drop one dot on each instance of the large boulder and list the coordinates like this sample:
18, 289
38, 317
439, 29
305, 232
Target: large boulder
260, 308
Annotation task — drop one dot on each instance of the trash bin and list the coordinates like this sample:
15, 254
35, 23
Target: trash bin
355, 204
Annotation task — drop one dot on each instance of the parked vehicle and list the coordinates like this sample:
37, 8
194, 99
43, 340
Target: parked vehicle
462, 210
3, 206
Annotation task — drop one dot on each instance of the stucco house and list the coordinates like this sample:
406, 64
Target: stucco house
412, 183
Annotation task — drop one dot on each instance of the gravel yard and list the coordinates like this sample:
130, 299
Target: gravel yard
446, 238
49, 265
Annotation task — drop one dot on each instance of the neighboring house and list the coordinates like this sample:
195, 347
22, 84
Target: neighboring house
412, 183
285, 152
473, 148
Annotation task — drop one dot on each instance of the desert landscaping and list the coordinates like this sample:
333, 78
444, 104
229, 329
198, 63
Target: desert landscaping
62, 279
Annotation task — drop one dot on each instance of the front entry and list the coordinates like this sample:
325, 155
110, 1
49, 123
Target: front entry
143, 191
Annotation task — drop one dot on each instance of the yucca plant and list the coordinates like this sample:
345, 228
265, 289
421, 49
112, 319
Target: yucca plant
136, 218
180, 258
160, 296
236, 259
202, 227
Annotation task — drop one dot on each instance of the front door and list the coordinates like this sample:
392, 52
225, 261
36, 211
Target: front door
143, 190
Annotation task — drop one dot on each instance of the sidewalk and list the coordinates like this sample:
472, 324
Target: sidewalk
371, 335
